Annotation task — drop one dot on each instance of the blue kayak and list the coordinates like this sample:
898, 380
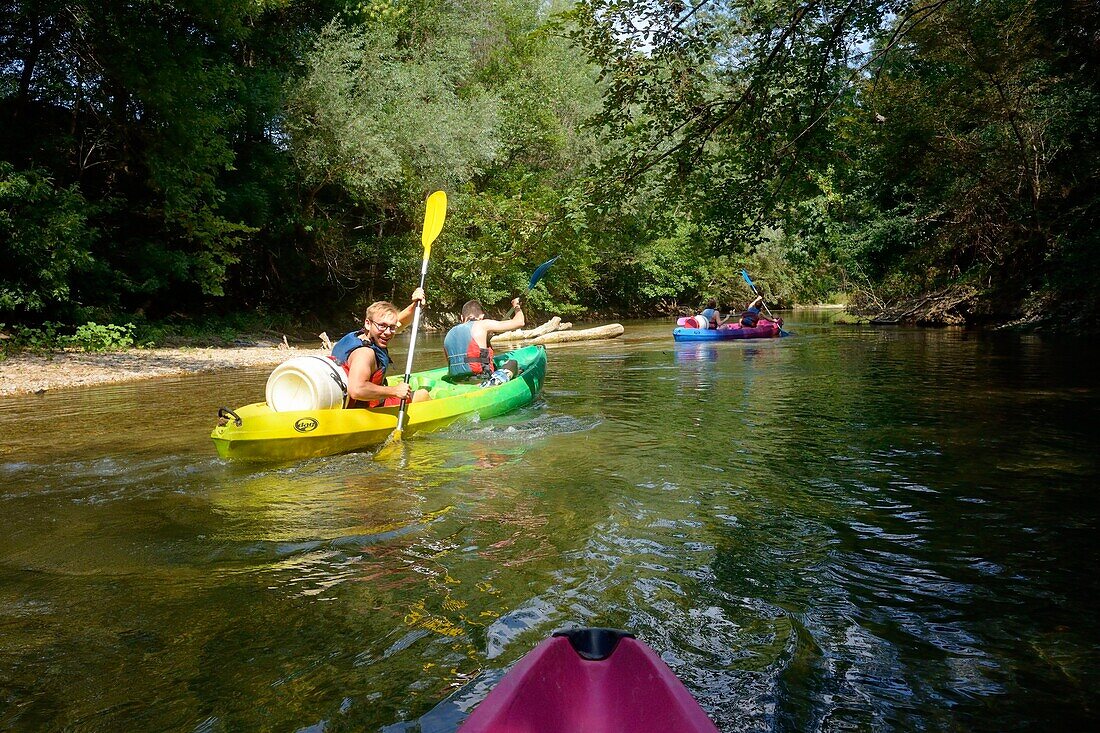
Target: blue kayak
763, 330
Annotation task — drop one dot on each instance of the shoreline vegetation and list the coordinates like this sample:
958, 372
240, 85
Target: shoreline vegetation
38, 370
939, 171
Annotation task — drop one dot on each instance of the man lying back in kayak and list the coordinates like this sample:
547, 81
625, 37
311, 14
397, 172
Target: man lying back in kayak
467, 344
365, 357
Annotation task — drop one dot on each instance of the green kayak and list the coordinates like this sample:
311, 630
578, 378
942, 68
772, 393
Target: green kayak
257, 433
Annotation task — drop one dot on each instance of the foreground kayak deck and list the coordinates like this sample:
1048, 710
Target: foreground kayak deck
590, 680
727, 333
258, 433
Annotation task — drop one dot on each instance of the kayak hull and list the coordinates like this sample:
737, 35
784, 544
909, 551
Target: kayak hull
265, 435
564, 685
728, 333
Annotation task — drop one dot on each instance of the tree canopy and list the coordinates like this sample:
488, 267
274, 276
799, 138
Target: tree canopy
161, 158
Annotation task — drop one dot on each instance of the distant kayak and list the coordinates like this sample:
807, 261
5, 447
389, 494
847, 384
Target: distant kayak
589, 681
763, 330
257, 432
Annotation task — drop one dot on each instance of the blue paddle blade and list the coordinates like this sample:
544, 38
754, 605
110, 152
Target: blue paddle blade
745, 275
540, 271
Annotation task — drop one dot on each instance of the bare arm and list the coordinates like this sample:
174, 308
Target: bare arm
405, 317
516, 321
362, 364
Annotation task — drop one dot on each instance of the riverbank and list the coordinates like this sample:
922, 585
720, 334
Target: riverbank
26, 373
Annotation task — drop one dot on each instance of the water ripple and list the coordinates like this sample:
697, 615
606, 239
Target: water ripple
853, 529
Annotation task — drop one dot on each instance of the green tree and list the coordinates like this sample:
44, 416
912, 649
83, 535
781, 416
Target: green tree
149, 109
894, 145
981, 145
46, 241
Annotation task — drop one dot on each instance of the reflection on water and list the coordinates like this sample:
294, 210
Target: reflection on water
851, 529
695, 351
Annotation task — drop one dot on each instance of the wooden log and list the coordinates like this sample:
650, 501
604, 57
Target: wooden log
520, 335
609, 331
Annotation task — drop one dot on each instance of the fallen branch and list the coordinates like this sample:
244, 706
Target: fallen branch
949, 306
554, 324
609, 331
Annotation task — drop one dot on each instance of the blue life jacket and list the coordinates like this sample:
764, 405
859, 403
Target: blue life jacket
711, 315
464, 356
342, 349
750, 317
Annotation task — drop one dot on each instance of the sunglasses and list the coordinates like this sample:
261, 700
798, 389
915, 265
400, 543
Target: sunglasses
391, 327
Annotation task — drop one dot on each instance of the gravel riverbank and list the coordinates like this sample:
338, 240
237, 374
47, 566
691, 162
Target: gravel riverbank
29, 373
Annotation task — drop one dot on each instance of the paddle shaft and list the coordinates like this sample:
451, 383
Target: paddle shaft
412, 347
535, 277
513, 309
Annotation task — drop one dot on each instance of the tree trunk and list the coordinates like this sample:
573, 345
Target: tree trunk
554, 324
609, 331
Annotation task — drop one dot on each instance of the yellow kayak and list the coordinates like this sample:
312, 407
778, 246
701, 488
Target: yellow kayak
256, 432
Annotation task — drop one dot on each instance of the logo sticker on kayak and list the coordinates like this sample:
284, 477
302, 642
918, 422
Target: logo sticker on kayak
305, 425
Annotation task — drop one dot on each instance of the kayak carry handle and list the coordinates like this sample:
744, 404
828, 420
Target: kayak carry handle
224, 413
594, 644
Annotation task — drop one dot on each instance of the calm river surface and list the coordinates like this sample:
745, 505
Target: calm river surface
855, 529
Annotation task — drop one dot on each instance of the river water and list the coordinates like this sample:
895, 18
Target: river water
854, 529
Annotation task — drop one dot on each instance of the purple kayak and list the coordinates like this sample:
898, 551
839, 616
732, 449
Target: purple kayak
590, 681
726, 333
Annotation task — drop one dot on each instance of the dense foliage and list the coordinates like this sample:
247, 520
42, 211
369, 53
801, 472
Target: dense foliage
874, 146
208, 156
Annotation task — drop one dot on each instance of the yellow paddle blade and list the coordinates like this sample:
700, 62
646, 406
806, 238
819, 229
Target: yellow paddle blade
434, 215
389, 449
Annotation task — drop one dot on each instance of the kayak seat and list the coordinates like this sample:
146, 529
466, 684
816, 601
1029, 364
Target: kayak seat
594, 644
422, 383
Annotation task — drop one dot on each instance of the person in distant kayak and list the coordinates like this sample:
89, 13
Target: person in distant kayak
365, 357
751, 317
713, 316
467, 344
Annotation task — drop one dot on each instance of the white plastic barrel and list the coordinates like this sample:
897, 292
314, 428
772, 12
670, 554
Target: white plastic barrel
307, 383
